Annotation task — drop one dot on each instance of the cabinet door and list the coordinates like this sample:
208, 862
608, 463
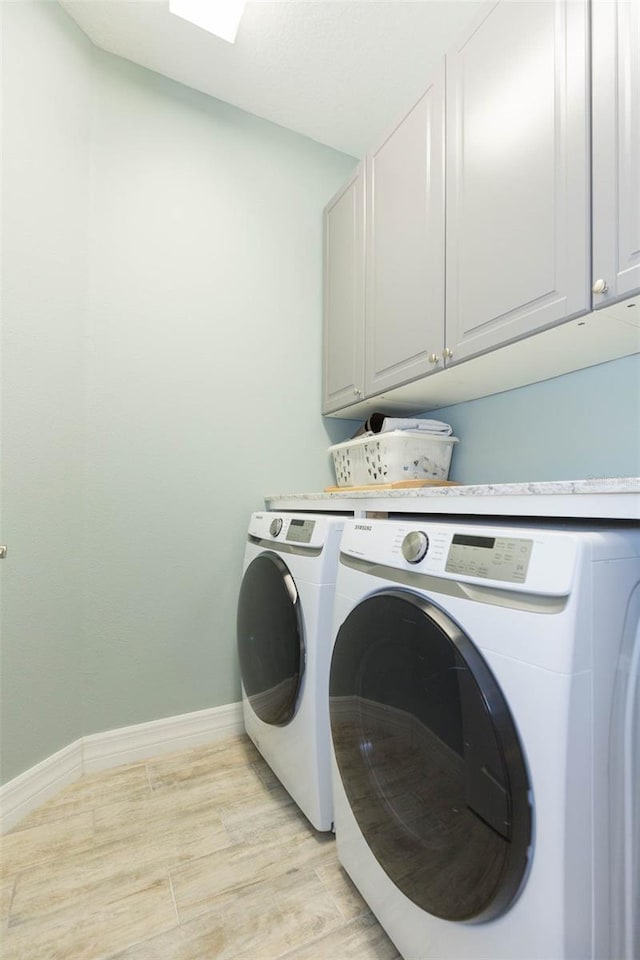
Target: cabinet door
616, 149
405, 246
343, 299
517, 173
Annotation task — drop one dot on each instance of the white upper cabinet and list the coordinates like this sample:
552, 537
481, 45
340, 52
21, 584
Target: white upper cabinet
343, 296
518, 232
616, 150
490, 256
404, 326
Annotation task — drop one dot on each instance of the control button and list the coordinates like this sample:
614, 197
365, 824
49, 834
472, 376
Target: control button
276, 527
415, 546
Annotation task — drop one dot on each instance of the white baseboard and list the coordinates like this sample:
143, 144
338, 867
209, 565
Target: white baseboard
143, 740
28, 790
101, 751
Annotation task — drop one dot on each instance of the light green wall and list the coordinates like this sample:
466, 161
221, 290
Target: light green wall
204, 379
162, 314
584, 424
45, 180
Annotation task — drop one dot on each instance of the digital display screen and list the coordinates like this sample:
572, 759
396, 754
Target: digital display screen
464, 541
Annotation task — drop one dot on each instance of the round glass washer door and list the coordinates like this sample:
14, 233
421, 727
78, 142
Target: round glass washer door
430, 758
270, 639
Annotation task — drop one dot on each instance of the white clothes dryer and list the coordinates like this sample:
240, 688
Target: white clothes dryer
284, 645
485, 720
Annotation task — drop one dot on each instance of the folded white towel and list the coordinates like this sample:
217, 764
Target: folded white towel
425, 426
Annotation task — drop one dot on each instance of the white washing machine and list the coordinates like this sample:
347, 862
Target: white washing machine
485, 721
284, 646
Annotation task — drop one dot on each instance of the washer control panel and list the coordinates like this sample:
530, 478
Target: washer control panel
304, 534
300, 531
492, 558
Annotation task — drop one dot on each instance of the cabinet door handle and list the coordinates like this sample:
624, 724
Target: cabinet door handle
599, 286
434, 358
447, 354
356, 392
3, 551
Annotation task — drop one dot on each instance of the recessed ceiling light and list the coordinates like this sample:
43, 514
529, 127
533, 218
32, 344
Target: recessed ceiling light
220, 17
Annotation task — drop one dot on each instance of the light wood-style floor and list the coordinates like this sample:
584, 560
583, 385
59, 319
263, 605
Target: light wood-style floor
200, 855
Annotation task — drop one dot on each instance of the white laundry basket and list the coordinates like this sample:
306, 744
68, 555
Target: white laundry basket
392, 457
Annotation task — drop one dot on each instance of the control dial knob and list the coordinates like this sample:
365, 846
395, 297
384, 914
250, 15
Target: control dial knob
415, 546
276, 527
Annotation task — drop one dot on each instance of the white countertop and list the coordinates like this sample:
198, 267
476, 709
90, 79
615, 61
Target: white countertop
607, 498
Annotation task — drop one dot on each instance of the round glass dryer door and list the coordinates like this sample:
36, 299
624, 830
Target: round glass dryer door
270, 639
429, 758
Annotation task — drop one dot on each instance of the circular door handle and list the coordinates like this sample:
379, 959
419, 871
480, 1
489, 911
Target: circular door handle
356, 392
599, 286
3, 551
434, 358
447, 354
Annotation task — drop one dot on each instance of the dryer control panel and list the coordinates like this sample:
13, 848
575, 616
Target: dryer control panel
493, 558
509, 557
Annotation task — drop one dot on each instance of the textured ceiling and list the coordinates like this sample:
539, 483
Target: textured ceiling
338, 71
